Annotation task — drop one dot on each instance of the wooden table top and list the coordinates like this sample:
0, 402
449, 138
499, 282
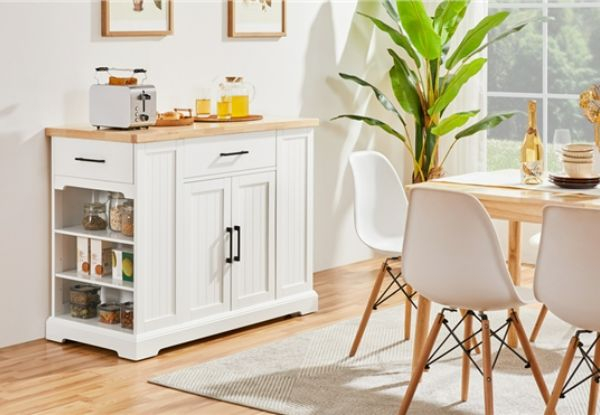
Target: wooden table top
517, 204
154, 134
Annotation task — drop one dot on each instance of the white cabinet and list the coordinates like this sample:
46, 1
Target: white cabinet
223, 235
253, 213
206, 246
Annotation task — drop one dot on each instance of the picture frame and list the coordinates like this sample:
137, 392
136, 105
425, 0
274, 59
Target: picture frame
128, 18
256, 18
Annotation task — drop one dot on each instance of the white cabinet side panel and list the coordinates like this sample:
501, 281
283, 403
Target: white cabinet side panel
294, 212
207, 206
155, 262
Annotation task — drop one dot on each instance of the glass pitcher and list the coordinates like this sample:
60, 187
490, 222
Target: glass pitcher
238, 93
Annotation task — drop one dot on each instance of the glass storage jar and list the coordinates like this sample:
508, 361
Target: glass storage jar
127, 219
109, 313
115, 202
84, 294
127, 315
84, 311
94, 216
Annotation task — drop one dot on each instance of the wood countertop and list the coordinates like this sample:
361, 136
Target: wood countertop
154, 134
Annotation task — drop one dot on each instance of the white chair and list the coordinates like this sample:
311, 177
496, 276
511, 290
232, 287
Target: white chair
452, 256
534, 241
380, 207
569, 247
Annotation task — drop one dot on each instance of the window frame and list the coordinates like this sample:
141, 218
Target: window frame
545, 96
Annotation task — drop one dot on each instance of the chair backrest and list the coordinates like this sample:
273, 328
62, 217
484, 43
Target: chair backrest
380, 204
451, 252
567, 273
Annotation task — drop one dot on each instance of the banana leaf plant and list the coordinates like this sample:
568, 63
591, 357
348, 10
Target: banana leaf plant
426, 77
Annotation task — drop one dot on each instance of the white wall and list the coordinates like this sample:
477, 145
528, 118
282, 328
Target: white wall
49, 50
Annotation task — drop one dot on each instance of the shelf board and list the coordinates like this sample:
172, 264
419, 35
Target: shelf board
105, 235
103, 282
94, 322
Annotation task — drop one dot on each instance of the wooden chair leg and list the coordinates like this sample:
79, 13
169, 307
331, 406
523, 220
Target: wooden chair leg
538, 324
562, 376
530, 355
488, 390
368, 309
594, 385
466, 363
407, 313
420, 367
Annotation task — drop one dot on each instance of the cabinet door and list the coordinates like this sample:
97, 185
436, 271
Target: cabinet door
253, 216
206, 245
294, 211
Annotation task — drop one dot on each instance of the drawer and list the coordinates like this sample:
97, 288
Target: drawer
229, 153
93, 159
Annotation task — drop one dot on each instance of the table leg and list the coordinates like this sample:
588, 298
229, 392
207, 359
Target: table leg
421, 329
514, 267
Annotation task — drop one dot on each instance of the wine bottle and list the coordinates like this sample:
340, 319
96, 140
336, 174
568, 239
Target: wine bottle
532, 151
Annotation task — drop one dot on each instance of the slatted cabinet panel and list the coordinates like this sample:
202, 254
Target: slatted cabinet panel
253, 204
294, 212
207, 206
155, 262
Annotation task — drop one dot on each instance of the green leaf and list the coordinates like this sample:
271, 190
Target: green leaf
404, 83
390, 8
487, 123
453, 121
509, 32
374, 123
448, 15
474, 37
419, 28
399, 38
455, 84
383, 100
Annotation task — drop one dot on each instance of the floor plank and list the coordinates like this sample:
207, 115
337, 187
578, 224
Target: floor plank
48, 378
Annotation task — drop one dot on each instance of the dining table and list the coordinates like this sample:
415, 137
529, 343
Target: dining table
506, 198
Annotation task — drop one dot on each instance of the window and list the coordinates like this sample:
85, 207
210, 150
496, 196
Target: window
551, 62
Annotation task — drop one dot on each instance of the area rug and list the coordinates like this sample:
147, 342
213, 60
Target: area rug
309, 374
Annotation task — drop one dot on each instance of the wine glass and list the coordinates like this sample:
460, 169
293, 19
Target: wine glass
562, 137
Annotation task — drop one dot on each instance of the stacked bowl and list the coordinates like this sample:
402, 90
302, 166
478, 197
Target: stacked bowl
578, 161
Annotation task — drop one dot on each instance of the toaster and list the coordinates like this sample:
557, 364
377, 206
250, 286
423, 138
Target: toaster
122, 106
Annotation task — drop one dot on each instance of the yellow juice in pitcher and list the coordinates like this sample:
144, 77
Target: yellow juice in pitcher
240, 106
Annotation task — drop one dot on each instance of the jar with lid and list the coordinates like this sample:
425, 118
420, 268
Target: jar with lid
94, 216
84, 300
127, 219
127, 315
116, 201
109, 313
238, 93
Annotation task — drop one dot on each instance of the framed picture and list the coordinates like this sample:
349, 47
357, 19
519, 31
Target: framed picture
137, 17
256, 18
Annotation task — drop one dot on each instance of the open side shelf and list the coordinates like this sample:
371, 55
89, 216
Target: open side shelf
94, 322
104, 235
103, 282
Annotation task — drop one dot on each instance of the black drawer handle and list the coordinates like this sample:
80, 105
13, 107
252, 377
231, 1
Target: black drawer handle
238, 257
230, 232
90, 160
236, 153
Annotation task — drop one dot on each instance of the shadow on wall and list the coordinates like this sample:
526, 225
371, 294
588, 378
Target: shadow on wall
335, 140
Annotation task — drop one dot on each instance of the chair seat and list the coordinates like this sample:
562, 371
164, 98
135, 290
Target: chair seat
391, 247
525, 294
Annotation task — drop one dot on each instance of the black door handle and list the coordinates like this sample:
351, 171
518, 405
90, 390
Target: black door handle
229, 230
90, 160
238, 257
235, 153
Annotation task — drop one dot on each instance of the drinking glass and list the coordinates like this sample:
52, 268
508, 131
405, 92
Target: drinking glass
562, 137
203, 103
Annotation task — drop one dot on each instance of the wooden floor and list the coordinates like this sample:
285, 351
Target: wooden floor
48, 378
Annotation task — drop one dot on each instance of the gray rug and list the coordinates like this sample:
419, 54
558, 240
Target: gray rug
309, 373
